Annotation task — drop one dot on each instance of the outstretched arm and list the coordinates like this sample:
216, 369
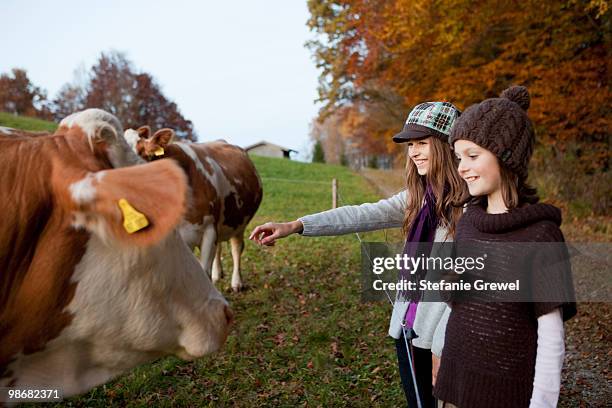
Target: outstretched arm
386, 213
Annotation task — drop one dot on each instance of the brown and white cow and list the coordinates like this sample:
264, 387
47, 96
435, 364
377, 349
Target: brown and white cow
226, 193
81, 298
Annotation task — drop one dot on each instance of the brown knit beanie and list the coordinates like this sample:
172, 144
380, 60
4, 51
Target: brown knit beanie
501, 126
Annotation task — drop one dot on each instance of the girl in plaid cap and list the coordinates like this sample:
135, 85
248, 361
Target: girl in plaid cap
427, 213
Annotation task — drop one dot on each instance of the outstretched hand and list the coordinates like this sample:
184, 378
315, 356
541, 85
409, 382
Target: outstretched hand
268, 233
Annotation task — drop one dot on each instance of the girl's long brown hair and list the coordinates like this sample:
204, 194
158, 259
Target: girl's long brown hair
442, 174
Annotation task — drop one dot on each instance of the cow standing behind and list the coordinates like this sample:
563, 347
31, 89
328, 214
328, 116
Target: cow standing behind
83, 300
226, 192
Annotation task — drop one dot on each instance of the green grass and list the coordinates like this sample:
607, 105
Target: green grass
26, 123
302, 337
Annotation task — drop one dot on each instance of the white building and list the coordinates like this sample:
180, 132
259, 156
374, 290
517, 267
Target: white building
268, 149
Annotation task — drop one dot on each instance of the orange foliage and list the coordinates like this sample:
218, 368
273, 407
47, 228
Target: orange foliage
382, 57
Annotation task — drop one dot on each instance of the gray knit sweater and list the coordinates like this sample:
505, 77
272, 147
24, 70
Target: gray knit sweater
431, 317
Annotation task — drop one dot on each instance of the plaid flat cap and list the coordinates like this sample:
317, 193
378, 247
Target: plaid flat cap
429, 119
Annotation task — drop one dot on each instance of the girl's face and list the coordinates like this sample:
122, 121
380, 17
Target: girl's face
419, 153
478, 167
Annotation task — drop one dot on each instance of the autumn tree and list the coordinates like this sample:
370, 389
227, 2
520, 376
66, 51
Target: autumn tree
150, 106
379, 58
20, 96
70, 99
113, 84
329, 137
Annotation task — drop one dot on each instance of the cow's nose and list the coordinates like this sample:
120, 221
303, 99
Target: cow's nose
229, 315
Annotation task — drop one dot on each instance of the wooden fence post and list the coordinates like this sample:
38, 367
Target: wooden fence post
334, 193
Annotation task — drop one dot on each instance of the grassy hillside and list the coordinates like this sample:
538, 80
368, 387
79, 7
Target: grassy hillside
302, 337
26, 123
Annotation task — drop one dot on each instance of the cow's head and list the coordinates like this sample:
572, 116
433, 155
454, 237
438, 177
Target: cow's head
146, 146
100, 280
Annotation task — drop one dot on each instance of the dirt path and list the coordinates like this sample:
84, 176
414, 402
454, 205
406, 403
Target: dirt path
387, 182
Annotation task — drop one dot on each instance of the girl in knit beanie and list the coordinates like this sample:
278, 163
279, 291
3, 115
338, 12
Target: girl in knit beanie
505, 354
426, 211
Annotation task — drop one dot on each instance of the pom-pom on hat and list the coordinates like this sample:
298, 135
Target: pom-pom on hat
500, 125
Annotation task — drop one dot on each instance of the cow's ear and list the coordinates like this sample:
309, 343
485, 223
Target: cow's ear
104, 132
138, 205
163, 137
144, 132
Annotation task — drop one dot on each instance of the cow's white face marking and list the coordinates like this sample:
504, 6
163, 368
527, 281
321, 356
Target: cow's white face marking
131, 137
83, 191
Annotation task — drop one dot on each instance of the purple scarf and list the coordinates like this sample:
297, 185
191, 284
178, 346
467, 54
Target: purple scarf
419, 242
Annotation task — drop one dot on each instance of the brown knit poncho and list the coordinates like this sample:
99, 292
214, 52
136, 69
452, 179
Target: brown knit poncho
490, 347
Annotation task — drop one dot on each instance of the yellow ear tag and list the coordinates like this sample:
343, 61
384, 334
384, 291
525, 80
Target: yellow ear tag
132, 220
159, 151
196, 252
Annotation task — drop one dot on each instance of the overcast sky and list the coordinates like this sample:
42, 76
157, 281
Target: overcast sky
238, 69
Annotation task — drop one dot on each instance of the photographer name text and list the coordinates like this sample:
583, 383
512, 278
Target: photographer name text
461, 285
